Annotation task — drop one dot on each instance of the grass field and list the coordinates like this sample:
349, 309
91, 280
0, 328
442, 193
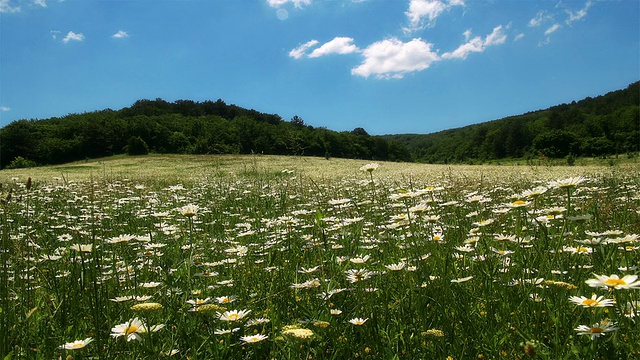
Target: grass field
265, 257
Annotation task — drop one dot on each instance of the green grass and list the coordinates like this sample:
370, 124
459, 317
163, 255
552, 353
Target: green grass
290, 245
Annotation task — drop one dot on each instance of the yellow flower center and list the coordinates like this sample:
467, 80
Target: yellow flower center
614, 282
130, 329
77, 345
233, 317
596, 330
590, 302
582, 249
519, 202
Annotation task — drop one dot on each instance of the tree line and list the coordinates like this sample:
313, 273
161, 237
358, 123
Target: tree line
601, 126
181, 127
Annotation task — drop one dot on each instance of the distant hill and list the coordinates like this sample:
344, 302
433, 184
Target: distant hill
604, 125
183, 127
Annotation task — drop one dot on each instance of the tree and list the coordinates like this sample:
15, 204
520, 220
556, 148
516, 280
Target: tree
359, 131
137, 146
296, 120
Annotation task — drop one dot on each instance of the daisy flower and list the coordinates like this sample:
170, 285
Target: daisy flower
253, 338
358, 321
75, 345
613, 281
233, 315
369, 167
597, 329
593, 301
132, 329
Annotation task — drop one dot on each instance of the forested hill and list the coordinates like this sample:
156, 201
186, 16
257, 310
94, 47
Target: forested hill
184, 127
604, 125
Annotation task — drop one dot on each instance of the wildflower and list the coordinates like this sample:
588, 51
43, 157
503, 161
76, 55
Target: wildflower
150, 306
258, 321
335, 311
81, 247
369, 167
298, 333
233, 315
207, 308
578, 250
253, 338
434, 333
225, 331
597, 329
321, 324
189, 210
75, 345
198, 301
120, 238
594, 301
225, 299
307, 284
358, 321
355, 275
132, 328
567, 183
462, 279
396, 267
613, 281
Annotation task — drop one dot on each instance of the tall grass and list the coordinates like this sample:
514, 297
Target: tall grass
357, 264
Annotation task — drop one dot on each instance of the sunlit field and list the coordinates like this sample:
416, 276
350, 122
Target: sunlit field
264, 257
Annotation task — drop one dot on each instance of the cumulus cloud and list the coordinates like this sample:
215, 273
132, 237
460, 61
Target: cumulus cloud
423, 13
392, 58
296, 3
42, 3
552, 29
575, 16
120, 34
7, 7
339, 45
4, 108
477, 44
71, 36
301, 50
518, 37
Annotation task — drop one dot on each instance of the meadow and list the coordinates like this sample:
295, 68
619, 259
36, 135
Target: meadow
266, 257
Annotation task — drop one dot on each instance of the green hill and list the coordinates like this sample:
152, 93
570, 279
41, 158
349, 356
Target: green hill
181, 127
600, 126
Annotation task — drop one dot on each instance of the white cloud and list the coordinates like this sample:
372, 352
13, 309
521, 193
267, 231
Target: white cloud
71, 36
296, 3
42, 3
4, 108
579, 14
392, 58
496, 37
476, 44
120, 34
7, 7
300, 51
552, 29
541, 17
467, 35
518, 37
339, 45
423, 13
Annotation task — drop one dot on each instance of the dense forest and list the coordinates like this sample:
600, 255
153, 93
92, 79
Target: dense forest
600, 126
183, 127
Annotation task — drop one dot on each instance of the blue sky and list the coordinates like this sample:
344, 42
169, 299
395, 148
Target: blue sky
389, 66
